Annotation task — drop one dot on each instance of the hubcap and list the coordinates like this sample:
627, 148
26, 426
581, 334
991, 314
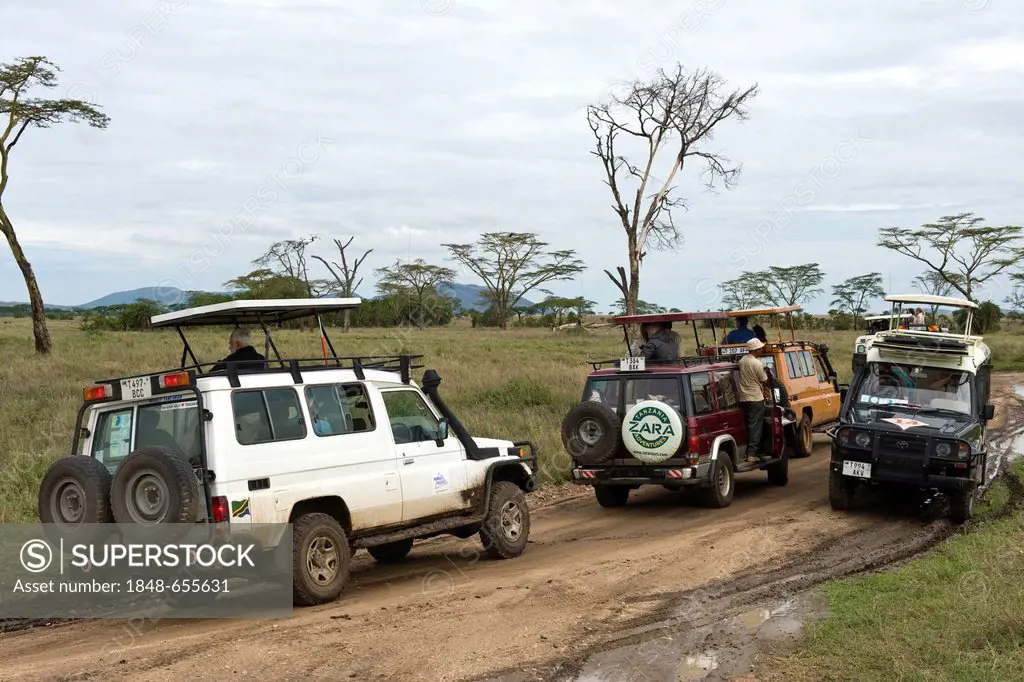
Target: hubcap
511, 521
590, 432
148, 497
322, 560
68, 502
808, 438
724, 481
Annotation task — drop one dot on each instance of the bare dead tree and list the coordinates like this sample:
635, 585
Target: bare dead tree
346, 274
671, 118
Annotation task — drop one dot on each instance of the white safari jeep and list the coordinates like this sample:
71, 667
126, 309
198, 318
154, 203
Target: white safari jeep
348, 449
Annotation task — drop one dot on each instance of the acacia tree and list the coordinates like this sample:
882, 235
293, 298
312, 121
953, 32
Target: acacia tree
288, 257
742, 293
671, 118
787, 285
23, 112
959, 248
851, 295
511, 264
418, 279
345, 274
934, 284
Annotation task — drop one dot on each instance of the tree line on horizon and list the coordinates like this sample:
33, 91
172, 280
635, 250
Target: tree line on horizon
664, 121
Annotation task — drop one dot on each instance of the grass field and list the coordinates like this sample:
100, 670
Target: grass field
513, 384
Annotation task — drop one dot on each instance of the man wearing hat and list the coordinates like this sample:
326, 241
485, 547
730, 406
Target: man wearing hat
753, 379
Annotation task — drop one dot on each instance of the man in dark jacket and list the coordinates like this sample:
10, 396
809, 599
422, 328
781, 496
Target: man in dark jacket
660, 344
242, 352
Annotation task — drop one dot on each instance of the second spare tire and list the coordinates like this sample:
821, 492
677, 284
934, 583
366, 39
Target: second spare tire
590, 433
154, 486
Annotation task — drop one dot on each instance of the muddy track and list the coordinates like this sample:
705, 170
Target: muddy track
660, 571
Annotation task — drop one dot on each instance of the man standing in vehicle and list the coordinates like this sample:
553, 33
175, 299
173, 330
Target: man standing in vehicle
242, 352
741, 334
753, 380
660, 345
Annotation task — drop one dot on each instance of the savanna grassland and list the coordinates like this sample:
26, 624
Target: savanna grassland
516, 383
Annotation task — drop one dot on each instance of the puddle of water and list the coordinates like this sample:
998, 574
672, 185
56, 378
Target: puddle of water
697, 667
755, 618
1019, 390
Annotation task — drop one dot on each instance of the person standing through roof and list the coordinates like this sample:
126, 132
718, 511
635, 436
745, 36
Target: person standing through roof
919, 316
242, 352
660, 345
760, 334
741, 334
753, 380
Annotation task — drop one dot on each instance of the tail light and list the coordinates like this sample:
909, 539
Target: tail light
174, 380
694, 445
220, 509
98, 392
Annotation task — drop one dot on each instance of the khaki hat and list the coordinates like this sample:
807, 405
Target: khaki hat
755, 344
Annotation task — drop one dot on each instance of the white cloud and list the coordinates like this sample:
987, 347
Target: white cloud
472, 120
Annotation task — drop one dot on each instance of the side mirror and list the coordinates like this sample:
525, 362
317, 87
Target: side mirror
988, 411
442, 432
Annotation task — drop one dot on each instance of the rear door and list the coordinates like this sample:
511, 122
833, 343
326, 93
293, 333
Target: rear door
732, 416
709, 422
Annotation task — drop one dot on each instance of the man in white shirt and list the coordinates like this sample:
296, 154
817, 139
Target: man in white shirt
753, 380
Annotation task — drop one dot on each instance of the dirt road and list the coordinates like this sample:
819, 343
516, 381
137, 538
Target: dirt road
590, 577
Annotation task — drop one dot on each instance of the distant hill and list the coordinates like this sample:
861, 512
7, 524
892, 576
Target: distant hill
163, 295
469, 295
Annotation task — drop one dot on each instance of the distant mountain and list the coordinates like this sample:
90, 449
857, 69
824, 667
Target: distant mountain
469, 295
163, 295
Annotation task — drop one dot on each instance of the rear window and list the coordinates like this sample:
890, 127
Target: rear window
173, 425
622, 394
267, 415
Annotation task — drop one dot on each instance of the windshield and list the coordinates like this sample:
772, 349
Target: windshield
920, 388
172, 425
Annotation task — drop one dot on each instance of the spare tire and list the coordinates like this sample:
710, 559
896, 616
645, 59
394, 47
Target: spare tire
653, 431
153, 486
75, 491
590, 433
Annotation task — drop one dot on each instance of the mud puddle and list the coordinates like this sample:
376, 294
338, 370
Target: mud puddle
721, 650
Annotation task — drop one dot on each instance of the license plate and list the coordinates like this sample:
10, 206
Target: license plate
134, 389
636, 363
858, 469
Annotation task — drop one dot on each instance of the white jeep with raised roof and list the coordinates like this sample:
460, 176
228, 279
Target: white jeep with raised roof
348, 449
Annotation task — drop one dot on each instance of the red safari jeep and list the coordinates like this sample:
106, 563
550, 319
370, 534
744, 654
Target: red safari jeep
676, 425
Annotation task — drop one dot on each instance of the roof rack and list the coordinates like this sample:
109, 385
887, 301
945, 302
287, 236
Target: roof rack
399, 364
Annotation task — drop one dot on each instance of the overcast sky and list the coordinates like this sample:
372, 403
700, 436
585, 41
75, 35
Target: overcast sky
409, 123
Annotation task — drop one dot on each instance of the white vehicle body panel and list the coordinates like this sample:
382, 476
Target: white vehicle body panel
382, 484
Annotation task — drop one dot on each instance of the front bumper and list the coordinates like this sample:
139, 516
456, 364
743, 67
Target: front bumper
919, 471
642, 475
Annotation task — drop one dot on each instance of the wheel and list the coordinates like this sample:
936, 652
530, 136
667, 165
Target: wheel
722, 483
590, 433
75, 490
391, 552
778, 473
803, 444
611, 495
152, 486
506, 528
961, 505
840, 491
321, 559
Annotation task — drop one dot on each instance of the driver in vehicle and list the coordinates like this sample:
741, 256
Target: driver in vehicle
242, 352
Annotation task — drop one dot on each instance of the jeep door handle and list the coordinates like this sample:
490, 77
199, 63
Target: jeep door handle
408, 461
